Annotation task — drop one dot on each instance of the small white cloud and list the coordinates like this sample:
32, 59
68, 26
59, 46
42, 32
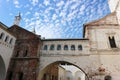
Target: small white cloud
10, 14
82, 8
27, 13
16, 3
34, 2
46, 2
60, 4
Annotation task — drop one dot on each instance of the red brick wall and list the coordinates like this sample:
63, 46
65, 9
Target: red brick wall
24, 67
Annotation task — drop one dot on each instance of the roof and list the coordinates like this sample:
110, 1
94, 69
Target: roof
67, 39
110, 19
5, 28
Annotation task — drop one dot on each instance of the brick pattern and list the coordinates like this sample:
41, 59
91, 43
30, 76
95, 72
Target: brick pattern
24, 66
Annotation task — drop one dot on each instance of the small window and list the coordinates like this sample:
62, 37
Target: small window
10, 75
17, 54
2, 36
25, 54
7, 38
11, 40
108, 77
112, 42
80, 47
72, 47
58, 47
52, 47
45, 47
66, 47
20, 76
44, 77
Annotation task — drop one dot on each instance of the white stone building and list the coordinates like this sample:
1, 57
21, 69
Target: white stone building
7, 42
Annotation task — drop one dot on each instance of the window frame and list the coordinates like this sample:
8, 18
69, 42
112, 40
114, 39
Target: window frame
45, 47
52, 47
66, 47
59, 47
73, 47
2, 35
80, 48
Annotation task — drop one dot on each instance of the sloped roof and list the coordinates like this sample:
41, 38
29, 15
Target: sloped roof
110, 19
22, 33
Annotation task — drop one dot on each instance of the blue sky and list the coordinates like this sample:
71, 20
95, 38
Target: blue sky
53, 18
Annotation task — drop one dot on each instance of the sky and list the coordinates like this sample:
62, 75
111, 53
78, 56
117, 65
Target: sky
53, 18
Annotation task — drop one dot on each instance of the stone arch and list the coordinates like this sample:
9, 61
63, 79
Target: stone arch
41, 72
2, 69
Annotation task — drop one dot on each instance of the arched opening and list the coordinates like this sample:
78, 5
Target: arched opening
60, 70
108, 77
2, 69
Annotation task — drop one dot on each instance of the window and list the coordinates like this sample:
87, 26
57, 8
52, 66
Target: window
52, 77
72, 47
66, 47
10, 75
68, 78
108, 77
45, 47
17, 54
52, 47
58, 47
25, 54
112, 42
2, 36
20, 76
11, 40
79, 47
7, 38
44, 77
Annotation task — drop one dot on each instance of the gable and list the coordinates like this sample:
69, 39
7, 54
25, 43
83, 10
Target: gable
110, 19
21, 33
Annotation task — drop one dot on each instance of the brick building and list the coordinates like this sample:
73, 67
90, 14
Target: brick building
24, 61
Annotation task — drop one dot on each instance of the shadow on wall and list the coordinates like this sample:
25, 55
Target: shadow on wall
2, 69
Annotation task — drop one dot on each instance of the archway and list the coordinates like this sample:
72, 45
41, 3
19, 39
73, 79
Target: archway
2, 69
43, 75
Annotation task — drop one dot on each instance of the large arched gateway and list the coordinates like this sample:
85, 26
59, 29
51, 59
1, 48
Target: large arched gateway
50, 71
2, 69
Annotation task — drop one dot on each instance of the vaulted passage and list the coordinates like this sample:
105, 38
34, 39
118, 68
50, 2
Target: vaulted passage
62, 71
2, 69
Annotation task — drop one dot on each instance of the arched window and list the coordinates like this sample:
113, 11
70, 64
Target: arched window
112, 42
45, 47
10, 74
25, 54
52, 47
59, 47
17, 54
72, 47
65, 47
79, 47
20, 76
2, 36
108, 77
11, 40
7, 38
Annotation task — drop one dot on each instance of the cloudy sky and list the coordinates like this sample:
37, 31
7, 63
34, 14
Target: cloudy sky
53, 18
